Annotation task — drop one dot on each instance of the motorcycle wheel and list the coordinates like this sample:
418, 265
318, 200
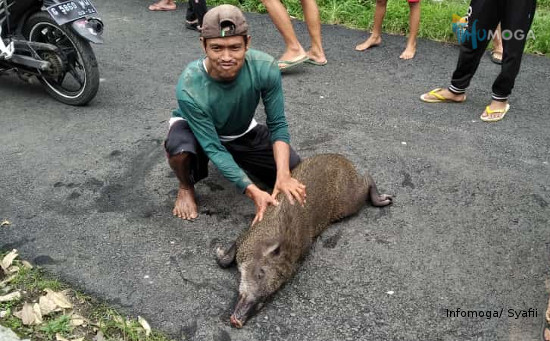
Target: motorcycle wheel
73, 77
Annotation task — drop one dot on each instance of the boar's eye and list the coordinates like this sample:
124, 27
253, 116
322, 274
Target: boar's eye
277, 251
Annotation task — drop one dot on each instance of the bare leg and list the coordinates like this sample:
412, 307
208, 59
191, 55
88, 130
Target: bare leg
163, 5
497, 47
376, 36
313, 21
281, 19
414, 24
185, 206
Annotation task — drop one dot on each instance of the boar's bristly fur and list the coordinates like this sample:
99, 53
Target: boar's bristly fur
269, 252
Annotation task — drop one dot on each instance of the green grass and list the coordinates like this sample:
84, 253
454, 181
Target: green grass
99, 316
59, 325
435, 21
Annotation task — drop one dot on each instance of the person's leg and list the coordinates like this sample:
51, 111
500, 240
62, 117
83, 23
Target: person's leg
189, 164
313, 21
376, 36
496, 54
483, 16
200, 9
281, 20
190, 16
253, 152
414, 25
163, 5
516, 22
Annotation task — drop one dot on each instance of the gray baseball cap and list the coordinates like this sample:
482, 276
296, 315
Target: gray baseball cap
224, 21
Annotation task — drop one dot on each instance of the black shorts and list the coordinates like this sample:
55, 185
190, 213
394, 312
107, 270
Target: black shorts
253, 152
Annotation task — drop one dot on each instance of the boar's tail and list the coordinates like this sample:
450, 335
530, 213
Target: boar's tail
376, 198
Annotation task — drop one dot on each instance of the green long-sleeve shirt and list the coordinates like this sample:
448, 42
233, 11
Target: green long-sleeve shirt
213, 108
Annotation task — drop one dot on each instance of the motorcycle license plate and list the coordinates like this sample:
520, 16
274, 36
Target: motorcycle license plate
71, 10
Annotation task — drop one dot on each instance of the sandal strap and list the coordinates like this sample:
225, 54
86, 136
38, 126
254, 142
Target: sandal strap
496, 111
435, 94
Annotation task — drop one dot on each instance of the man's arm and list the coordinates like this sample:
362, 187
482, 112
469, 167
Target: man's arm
285, 183
273, 99
205, 133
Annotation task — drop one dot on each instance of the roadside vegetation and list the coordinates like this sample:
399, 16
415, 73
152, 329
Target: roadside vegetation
38, 307
436, 21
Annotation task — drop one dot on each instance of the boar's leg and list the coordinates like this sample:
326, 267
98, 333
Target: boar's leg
226, 256
376, 198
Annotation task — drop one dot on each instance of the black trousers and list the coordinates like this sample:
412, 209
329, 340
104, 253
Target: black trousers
253, 152
515, 17
196, 9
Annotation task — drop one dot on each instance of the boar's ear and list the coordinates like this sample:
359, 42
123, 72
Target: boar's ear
272, 249
226, 256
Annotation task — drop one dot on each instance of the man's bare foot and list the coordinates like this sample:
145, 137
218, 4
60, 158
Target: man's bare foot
186, 206
163, 5
495, 111
442, 95
373, 40
409, 53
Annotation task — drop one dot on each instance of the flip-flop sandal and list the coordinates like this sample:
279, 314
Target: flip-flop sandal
497, 111
192, 26
313, 62
495, 59
288, 64
438, 98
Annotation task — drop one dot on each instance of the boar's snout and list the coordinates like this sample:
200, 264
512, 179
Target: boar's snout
244, 308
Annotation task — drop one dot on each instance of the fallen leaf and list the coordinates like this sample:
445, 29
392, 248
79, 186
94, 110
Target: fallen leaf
7, 280
47, 305
27, 265
5, 223
58, 337
99, 336
10, 297
77, 320
59, 299
12, 270
8, 259
30, 314
145, 325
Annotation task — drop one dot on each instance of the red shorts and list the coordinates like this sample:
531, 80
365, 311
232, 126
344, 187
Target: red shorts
413, 1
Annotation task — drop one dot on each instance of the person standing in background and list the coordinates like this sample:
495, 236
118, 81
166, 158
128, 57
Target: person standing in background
376, 37
294, 53
515, 17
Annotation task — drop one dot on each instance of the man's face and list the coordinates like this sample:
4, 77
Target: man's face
225, 56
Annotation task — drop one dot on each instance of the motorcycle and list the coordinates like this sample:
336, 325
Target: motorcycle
50, 39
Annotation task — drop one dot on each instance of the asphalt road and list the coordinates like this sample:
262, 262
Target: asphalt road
89, 193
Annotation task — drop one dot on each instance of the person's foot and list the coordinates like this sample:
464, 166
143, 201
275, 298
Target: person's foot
186, 206
192, 25
410, 52
163, 5
495, 111
496, 56
373, 40
317, 58
443, 95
